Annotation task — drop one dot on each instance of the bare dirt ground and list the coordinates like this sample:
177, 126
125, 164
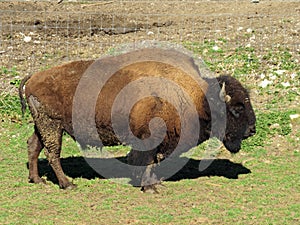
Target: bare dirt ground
61, 32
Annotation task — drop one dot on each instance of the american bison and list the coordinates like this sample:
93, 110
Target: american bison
50, 95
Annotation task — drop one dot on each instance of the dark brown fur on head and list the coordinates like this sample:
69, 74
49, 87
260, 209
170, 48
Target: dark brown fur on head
240, 117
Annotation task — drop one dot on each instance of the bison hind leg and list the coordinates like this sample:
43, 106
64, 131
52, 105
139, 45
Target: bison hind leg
35, 146
50, 131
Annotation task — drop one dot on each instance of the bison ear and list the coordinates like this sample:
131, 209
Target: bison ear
223, 96
237, 110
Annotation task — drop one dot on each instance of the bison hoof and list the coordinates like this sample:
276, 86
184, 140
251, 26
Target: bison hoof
37, 180
152, 189
69, 186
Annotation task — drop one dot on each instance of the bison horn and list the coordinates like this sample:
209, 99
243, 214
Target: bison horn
223, 96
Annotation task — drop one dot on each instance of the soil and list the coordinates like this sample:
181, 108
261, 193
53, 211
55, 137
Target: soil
36, 35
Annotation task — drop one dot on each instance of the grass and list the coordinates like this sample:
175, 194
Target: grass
267, 195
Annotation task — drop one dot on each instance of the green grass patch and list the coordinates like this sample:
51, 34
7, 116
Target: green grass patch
269, 125
267, 195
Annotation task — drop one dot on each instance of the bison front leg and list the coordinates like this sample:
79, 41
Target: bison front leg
34, 148
143, 174
150, 180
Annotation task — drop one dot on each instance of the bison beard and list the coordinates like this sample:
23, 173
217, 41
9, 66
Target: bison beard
50, 95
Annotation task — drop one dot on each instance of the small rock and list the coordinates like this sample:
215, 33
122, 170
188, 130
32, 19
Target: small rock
215, 48
150, 33
26, 38
273, 77
275, 126
293, 75
280, 72
265, 83
294, 116
285, 84
252, 39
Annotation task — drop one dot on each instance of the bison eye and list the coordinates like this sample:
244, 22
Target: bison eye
237, 109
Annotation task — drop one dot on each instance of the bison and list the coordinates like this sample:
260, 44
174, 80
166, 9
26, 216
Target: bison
51, 96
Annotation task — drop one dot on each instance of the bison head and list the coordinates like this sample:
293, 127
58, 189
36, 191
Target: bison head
239, 115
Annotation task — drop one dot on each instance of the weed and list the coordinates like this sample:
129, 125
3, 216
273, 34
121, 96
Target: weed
268, 125
10, 106
12, 71
12, 74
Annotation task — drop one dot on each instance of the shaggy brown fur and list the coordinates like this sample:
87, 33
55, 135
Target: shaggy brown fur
50, 96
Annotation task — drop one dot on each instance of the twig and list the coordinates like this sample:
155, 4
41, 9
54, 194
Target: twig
95, 4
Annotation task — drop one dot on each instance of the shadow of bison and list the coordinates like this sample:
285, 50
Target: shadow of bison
77, 167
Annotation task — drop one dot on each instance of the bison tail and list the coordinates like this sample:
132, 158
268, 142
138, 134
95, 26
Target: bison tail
21, 93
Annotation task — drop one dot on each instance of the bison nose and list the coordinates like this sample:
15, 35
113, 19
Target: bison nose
250, 131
